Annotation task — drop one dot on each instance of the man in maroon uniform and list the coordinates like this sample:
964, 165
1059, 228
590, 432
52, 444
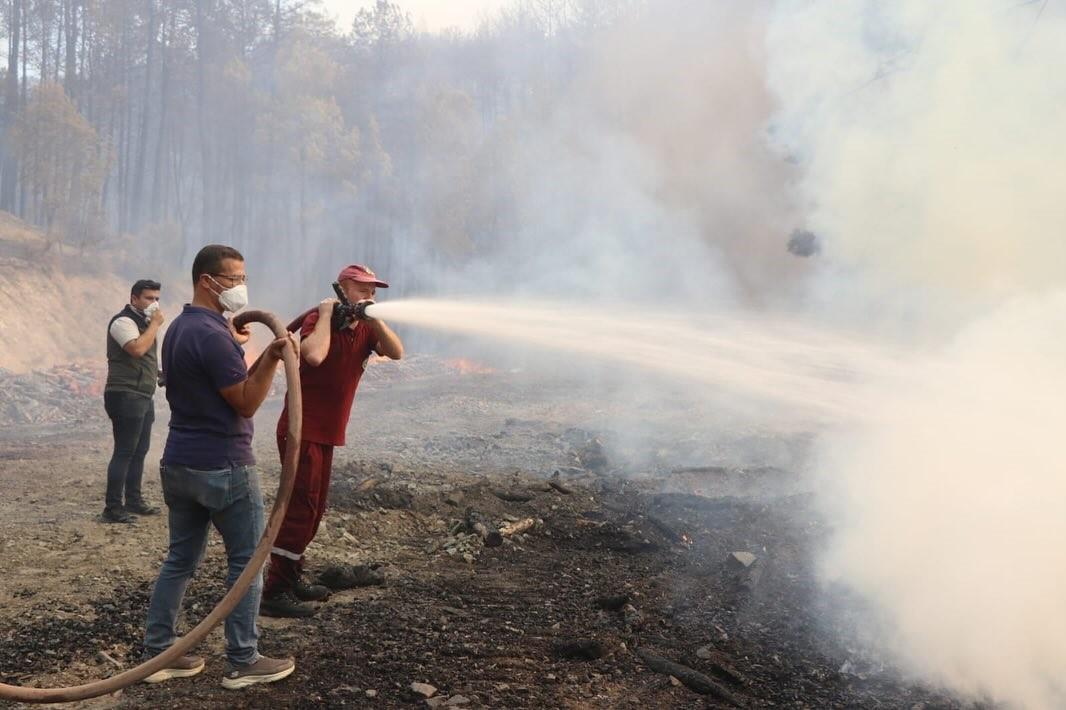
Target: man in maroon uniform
331, 366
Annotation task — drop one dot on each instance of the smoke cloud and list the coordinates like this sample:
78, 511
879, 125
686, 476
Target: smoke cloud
929, 141
648, 172
932, 160
947, 501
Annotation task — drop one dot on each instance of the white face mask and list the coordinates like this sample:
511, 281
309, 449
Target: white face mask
233, 299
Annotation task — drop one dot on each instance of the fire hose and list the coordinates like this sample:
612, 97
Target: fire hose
237, 591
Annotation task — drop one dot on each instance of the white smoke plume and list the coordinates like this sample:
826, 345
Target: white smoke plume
930, 143
929, 136
947, 496
648, 172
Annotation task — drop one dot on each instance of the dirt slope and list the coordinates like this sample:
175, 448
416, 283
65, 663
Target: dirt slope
52, 309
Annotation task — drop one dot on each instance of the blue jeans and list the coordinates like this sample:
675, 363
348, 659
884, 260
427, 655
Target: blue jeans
229, 498
131, 427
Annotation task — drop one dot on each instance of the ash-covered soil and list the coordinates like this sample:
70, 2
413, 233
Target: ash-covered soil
673, 530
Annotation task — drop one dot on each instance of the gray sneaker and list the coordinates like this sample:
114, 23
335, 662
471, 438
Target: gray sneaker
117, 515
264, 670
183, 667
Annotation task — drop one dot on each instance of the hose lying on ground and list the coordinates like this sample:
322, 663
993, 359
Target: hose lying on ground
184, 644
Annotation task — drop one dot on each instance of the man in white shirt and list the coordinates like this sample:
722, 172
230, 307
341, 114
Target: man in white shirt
132, 374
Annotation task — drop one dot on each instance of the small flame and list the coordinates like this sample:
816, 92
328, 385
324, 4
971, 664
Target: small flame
81, 386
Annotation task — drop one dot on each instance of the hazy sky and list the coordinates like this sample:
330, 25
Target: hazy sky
427, 14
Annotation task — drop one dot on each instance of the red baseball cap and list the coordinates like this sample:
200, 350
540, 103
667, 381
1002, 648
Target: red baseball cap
358, 272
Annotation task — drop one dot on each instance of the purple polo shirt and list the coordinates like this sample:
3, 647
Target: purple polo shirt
200, 357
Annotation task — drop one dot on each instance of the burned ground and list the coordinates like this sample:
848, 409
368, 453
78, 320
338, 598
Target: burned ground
624, 562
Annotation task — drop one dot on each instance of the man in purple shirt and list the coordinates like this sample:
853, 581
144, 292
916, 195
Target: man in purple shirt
208, 469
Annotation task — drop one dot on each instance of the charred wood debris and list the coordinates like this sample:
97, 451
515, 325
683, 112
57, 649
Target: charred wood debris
692, 592
68, 395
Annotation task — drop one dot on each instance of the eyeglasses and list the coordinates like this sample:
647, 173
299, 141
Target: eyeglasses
233, 278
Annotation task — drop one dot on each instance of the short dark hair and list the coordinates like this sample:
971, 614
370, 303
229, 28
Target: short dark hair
144, 285
209, 260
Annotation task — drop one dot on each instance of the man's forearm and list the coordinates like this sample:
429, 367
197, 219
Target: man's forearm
388, 343
260, 378
144, 341
315, 347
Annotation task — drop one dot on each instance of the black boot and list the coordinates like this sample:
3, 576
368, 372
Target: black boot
309, 592
285, 606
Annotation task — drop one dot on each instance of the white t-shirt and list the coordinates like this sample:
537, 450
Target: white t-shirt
124, 330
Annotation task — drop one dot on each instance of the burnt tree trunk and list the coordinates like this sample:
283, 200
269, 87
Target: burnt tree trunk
9, 165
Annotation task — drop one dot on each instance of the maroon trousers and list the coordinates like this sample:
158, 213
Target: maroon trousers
306, 508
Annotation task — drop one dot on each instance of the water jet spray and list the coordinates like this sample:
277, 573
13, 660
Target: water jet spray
786, 363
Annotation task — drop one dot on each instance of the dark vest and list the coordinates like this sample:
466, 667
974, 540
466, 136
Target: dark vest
126, 373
